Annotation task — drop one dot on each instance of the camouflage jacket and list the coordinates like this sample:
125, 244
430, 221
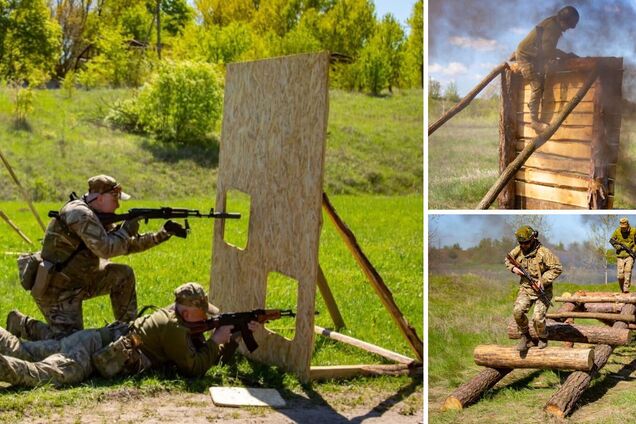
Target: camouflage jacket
540, 263
528, 48
164, 340
77, 223
628, 240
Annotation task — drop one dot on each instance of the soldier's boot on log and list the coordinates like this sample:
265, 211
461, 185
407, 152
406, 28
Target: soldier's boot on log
524, 342
543, 343
621, 284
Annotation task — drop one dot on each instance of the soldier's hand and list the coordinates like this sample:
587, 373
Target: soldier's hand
173, 228
517, 271
254, 325
131, 226
539, 284
222, 334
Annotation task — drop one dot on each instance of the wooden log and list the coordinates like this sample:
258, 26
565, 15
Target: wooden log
537, 142
556, 358
593, 315
327, 296
606, 308
563, 400
578, 333
15, 227
393, 356
568, 307
467, 99
350, 371
507, 129
616, 298
381, 289
472, 390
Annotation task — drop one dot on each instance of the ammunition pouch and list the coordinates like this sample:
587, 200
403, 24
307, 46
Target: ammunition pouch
28, 264
42, 278
122, 356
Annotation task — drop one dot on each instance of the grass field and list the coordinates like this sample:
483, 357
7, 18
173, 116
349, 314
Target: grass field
463, 158
467, 310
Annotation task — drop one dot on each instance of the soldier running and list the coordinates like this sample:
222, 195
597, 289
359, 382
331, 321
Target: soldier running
624, 239
545, 267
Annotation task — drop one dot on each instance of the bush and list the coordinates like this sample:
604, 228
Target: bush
182, 103
124, 114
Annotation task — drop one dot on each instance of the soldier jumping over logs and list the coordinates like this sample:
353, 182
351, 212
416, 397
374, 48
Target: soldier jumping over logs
538, 267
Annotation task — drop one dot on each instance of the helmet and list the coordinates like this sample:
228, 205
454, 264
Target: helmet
525, 234
568, 15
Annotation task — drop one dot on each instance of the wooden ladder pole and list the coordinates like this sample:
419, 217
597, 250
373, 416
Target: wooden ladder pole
15, 228
25, 196
327, 295
383, 292
537, 142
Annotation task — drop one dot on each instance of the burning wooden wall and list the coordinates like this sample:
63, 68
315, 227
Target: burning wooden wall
576, 167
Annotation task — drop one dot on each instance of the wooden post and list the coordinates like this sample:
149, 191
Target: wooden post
507, 130
23, 192
15, 227
563, 400
577, 333
593, 315
327, 296
467, 99
557, 358
537, 142
376, 281
471, 391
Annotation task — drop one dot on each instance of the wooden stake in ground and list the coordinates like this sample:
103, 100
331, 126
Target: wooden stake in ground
537, 142
15, 227
467, 99
23, 192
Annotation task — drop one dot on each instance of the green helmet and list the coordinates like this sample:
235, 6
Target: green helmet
525, 234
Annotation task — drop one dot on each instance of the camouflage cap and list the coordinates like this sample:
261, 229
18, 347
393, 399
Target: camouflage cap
524, 234
624, 222
100, 184
192, 294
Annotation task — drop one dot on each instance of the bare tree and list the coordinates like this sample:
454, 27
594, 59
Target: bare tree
599, 231
539, 223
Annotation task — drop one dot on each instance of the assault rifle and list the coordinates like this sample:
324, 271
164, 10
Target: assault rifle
159, 213
629, 251
533, 281
240, 320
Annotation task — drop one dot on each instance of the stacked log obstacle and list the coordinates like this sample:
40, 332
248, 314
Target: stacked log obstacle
616, 309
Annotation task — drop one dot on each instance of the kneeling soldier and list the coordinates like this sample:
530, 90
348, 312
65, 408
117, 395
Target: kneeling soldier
160, 339
544, 267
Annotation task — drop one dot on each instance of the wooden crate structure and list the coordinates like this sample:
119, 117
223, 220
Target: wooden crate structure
581, 157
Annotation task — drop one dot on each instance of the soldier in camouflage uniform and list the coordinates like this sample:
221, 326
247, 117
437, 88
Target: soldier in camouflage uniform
536, 50
543, 266
625, 235
79, 246
151, 341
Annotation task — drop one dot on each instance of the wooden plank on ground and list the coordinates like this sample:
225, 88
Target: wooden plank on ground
349, 371
553, 194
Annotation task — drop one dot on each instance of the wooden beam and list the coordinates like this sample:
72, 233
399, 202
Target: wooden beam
557, 358
350, 371
552, 194
614, 298
472, 390
555, 179
593, 315
519, 161
15, 227
383, 292
507, 129
577, 333
327, 296
467, 99
393, 356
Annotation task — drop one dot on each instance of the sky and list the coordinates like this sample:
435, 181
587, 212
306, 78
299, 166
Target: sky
468, 38
468, 230
400, 9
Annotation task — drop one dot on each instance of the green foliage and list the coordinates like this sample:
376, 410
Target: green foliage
177, 15
413, 69
216, 44
223, 12
346, 27
434, 89
68, 83
23, 100
451, 93
182, 103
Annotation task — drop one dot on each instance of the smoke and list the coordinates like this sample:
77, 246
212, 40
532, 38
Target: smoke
606, 28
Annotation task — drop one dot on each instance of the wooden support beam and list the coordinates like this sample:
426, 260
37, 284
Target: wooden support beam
593, 315
616, 298
385, 295
507, 130
15, 227
467, 99
393, 356
23, 192
472, 390
327, 296
563, 401
537, 142
556, 358
350, 371
606, 308
578, 333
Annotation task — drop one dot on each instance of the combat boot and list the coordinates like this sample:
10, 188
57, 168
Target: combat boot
524, 341
16, 324
543, 343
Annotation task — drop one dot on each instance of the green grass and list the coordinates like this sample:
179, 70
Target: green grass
463, 158
374, 145
467, 310
388, 229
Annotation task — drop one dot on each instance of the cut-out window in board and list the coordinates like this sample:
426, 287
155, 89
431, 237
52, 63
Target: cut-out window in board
282, 293
236, 231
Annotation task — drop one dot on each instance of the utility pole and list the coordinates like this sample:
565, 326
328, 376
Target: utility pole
158, 29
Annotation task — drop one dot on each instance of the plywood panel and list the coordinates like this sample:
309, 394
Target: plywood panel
552, 194
272, 148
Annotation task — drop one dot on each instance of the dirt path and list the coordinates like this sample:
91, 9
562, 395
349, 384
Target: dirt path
346, 406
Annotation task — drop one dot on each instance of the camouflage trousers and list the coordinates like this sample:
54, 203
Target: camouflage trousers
61, 304
624, 272
525, 299
66, 361
536, 78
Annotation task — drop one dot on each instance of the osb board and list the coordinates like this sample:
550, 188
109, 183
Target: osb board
553, 194
246, 396
272, 148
